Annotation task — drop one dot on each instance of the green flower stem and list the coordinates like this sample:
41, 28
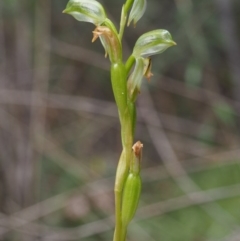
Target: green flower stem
123, 169
118, 221
122, 22
127, 114
126, 7
133, 114
119, 85
127, 134
123, 233
129, 64
121, 175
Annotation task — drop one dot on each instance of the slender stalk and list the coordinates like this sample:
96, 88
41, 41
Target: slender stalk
118, 221
119, 182
123, 233
123, 20
127, 141
129, 64
122, 171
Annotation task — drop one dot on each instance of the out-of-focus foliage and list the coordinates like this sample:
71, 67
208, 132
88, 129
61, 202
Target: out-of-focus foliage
59, 135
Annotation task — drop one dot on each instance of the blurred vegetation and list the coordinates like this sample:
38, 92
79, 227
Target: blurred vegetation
59, 135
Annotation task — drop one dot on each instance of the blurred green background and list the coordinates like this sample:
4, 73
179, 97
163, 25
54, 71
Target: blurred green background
59, 131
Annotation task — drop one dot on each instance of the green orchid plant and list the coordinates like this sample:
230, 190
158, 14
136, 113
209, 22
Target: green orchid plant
126, 79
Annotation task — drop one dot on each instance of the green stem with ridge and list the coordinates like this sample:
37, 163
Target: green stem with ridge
122, 171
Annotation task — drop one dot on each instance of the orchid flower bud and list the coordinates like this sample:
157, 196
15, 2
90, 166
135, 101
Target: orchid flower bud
137, 11
135, 165
87, 11
142, 68
135, 79
110, 42
132, 187
153, 42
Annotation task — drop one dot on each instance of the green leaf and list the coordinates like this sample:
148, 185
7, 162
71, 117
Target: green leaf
137, 11
86, 11
153, 42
